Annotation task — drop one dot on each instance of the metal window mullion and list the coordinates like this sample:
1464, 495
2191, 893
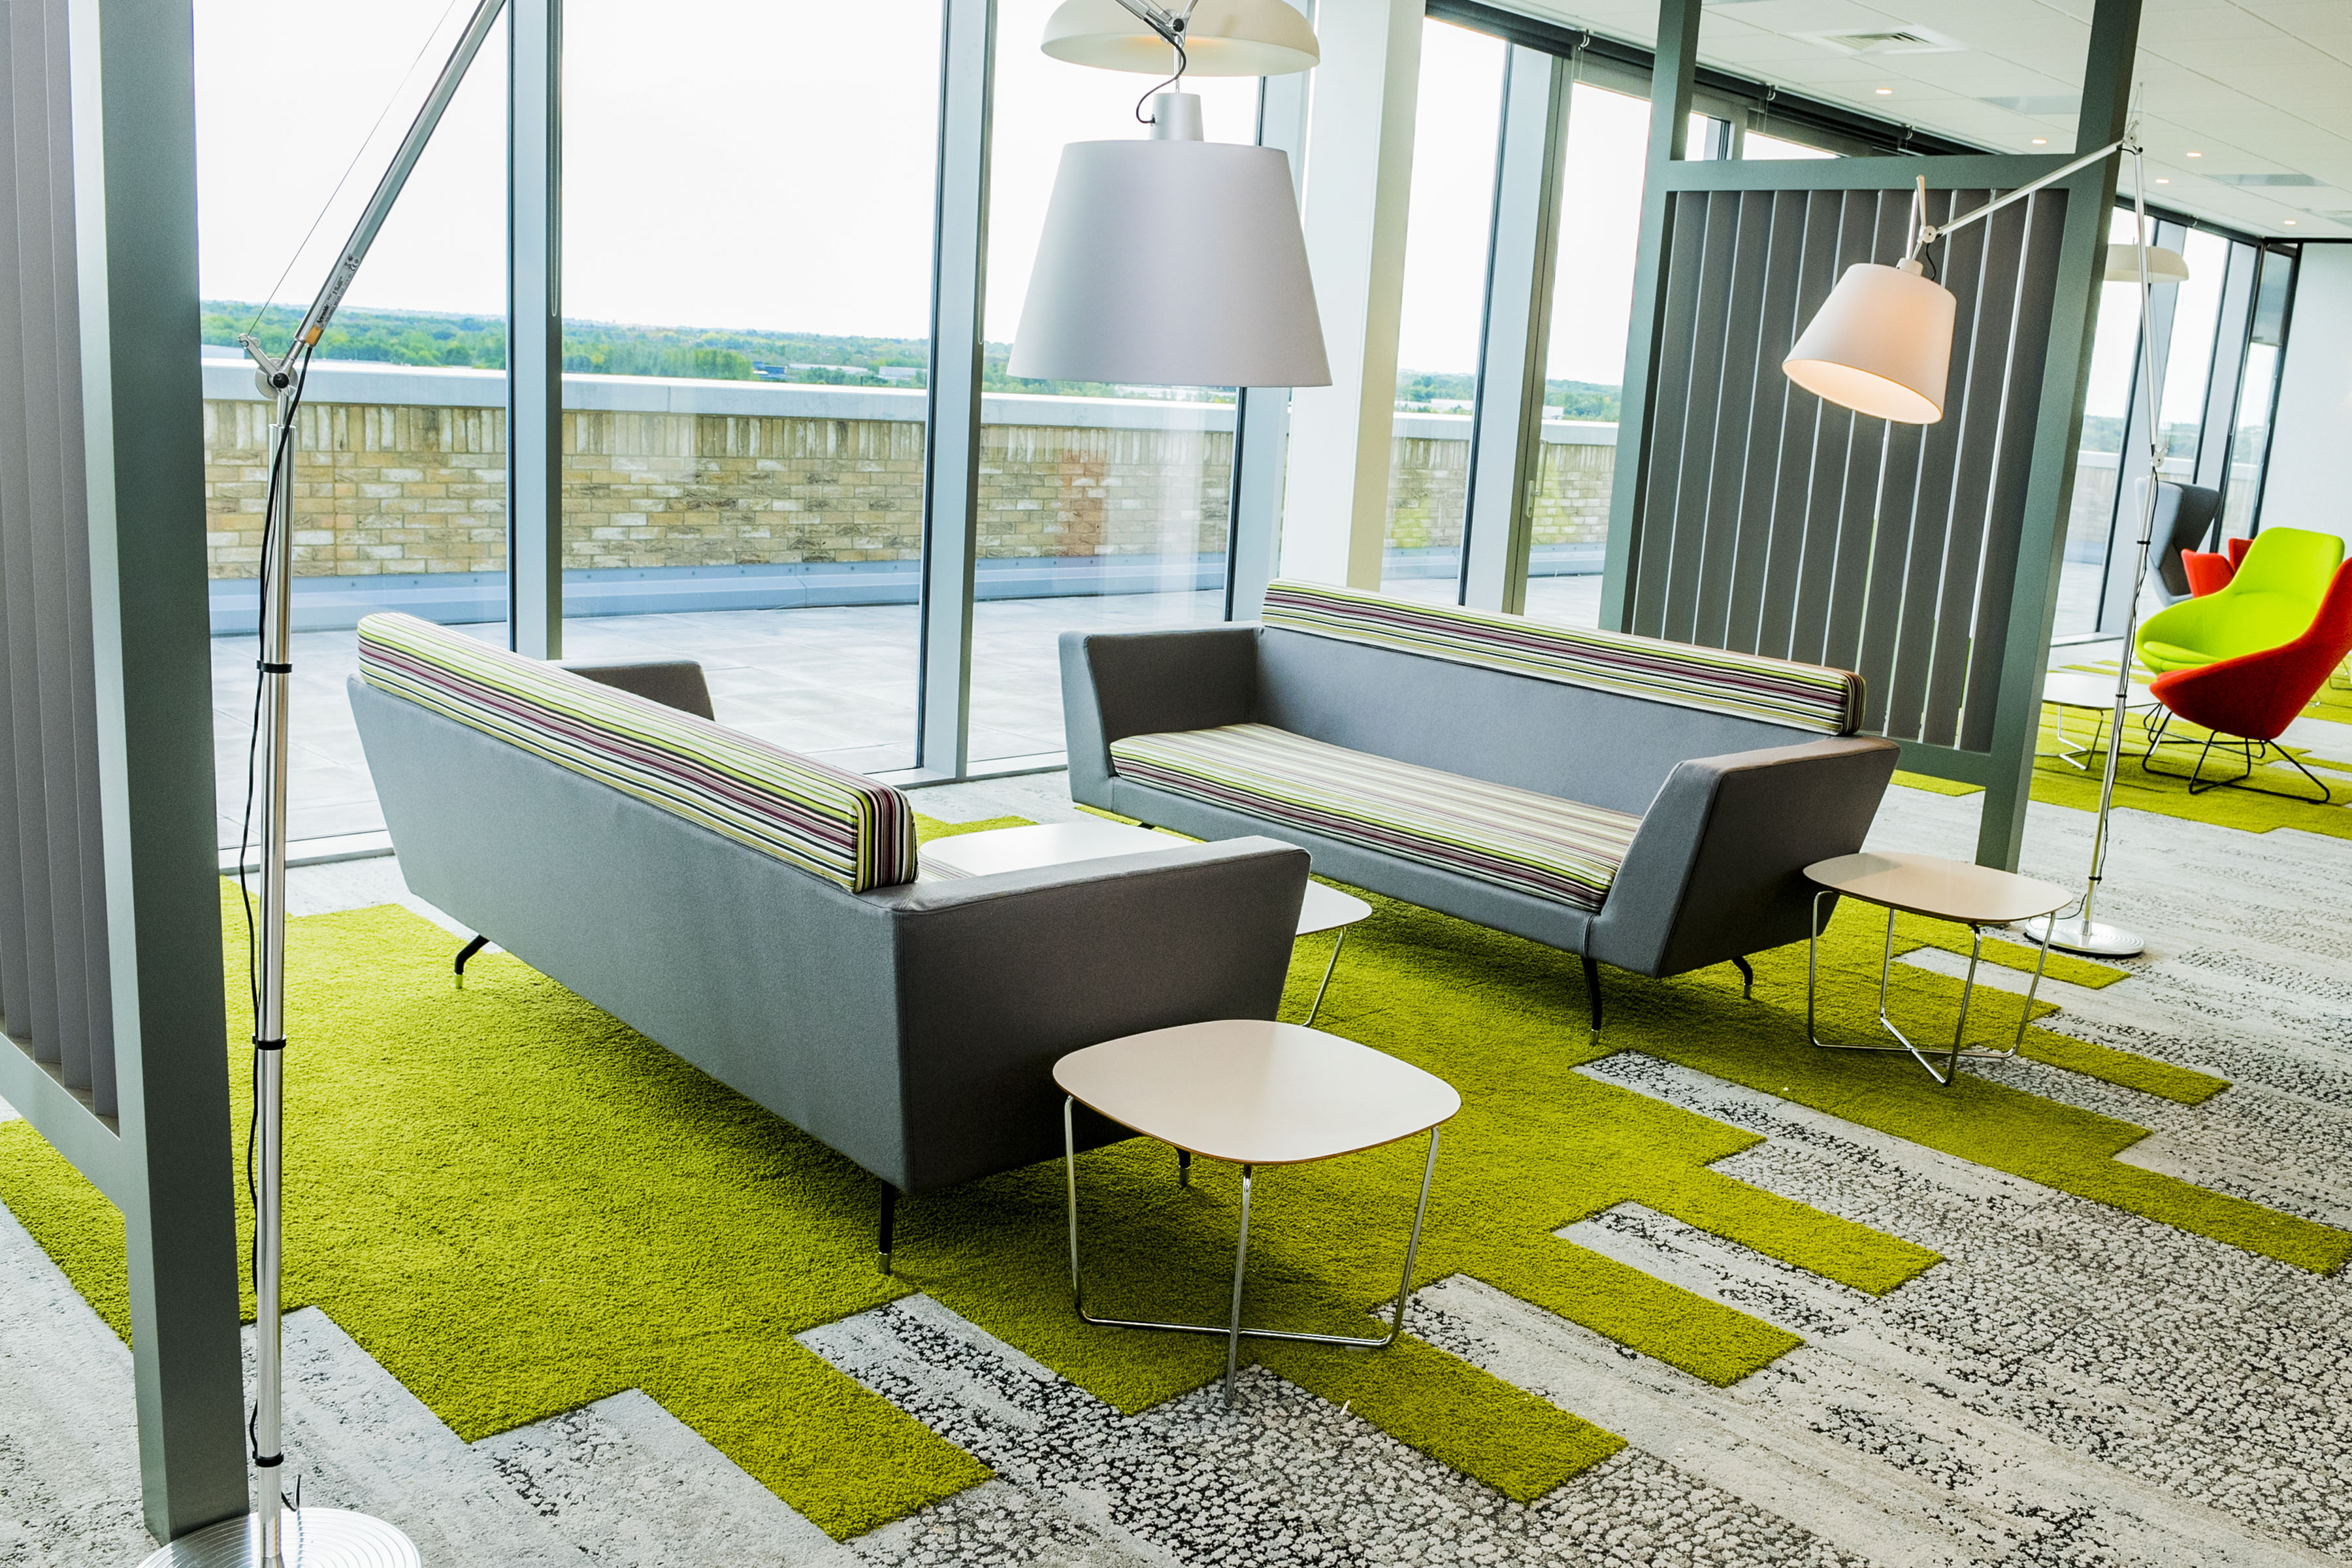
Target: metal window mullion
952, 437
2140, 424
535, 327
1523, 246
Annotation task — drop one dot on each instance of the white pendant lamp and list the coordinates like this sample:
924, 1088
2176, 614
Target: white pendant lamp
1881, 344
1173, 262
1222, 38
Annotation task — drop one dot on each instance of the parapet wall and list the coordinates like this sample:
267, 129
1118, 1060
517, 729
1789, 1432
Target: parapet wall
401, 472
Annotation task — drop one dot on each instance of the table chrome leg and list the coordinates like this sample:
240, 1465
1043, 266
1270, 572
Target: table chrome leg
1240, 1266
1328, 968
1813, 967
1968, 994
1231, 1331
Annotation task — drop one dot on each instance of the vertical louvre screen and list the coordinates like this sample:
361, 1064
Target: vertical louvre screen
1772, 522
55, 992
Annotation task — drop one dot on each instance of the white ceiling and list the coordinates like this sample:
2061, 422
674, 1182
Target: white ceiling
2261, 89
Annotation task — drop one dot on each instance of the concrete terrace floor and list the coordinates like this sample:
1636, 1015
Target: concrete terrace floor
833, 683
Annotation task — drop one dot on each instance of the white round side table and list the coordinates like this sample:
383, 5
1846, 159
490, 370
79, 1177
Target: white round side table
1253, 1093
1970, 895
1060, 842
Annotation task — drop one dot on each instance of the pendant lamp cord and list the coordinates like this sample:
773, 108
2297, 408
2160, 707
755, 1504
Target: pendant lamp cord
1175, 40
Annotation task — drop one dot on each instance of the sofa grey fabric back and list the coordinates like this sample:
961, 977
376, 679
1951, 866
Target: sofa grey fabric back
911, 1028
1598, 747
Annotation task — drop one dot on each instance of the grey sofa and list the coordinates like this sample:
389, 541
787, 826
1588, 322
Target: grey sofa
1721, 775
911, 1026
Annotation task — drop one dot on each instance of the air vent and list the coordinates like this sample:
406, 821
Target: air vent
2264, 180
1894, 41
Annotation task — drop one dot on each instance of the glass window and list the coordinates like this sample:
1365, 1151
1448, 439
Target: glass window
2090, 525
1757, 144
2189, 361
747, 259
1450, 225
2250, 444
400, 458
1592, 302
1101, 507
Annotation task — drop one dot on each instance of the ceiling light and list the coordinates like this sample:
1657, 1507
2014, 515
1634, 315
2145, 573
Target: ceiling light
2289, 222
1222, 38
2197, 154
2041, 141
1885, 91
2161, 180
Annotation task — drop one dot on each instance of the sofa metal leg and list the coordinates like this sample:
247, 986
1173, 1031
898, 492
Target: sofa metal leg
1183, 1167
1746, 978
1592, 991
889, 1221
466, 952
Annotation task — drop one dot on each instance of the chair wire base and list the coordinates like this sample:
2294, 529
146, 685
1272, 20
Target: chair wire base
1231, 1331
2252, 752
1958, 1048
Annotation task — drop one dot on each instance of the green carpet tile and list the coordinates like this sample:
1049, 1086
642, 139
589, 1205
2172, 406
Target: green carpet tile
517, 1205
2167, 792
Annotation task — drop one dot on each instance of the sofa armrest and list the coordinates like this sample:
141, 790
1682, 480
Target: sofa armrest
673, 682
1000, 976
1117, 684
1715, 870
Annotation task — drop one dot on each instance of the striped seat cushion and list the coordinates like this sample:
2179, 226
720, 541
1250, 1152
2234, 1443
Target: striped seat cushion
1776, 690
1515, 838
839, 826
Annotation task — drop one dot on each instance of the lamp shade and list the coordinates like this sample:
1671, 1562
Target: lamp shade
1223, 37
1171, 263
1881, 344
2164, 266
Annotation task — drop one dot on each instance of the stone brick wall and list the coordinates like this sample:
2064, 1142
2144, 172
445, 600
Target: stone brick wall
405, 489
1428, 485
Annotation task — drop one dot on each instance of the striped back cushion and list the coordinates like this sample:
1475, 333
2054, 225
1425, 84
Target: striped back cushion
1776, 690
839, 826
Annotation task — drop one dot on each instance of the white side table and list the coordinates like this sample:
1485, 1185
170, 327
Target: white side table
1059, 843
2064, 688
1254, 1093
1973, 896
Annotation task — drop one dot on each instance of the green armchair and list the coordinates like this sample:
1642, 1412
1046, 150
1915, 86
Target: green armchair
2271, 601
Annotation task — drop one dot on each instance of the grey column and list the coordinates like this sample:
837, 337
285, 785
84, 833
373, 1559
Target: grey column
136, 194
1672, 75
535, 327
951, 443
1506, 425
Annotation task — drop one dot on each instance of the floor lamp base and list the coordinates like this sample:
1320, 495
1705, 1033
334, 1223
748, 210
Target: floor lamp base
2092, 937
315, 1538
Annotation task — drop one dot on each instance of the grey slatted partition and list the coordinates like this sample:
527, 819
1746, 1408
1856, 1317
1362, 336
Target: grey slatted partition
1753, 515
110, 934
1750, 514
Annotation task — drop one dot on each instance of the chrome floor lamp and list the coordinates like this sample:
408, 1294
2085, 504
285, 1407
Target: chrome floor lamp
1881, 344
275, 1535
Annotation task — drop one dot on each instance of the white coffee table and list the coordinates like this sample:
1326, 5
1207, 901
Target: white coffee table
1060, 842
1973, 896
1254, 1093
2065, 688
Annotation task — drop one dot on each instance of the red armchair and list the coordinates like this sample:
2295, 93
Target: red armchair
2251, 699
2210, 573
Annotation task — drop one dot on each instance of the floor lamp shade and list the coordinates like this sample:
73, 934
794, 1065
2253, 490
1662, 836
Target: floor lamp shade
1171, 263
1881, 344
1222, 38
